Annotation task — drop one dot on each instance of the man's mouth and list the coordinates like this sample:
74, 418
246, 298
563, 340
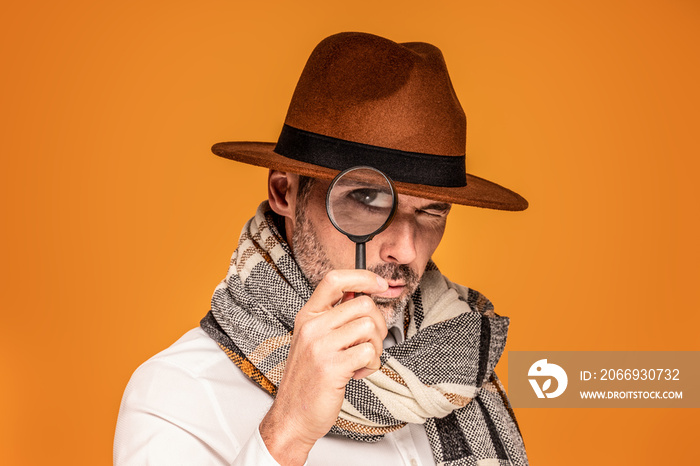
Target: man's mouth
395, 290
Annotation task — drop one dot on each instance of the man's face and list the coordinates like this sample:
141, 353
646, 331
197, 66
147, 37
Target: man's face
399, 254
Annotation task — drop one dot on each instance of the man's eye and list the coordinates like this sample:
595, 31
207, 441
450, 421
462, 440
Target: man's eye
435, 212
371, 197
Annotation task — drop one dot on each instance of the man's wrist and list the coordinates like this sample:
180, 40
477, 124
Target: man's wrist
283, 440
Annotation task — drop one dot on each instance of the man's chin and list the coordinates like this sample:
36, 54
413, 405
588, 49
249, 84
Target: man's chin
391, 308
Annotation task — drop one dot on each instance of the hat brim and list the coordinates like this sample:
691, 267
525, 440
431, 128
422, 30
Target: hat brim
478, 192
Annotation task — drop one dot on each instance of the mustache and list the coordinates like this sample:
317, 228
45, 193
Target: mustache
395, 272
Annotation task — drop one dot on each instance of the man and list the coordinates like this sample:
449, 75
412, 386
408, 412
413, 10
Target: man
400, 375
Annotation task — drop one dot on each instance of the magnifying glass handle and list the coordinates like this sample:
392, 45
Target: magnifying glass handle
360, 256
360, 259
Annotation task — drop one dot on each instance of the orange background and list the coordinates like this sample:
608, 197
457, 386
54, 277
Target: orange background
118, 222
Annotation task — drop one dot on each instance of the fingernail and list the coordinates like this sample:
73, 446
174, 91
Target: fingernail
381, 282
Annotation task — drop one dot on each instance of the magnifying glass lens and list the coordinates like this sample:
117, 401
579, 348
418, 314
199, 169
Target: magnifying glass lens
361, 202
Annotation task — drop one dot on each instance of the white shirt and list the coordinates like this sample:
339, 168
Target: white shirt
190, 405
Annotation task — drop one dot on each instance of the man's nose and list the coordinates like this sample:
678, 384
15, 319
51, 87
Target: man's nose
397, 242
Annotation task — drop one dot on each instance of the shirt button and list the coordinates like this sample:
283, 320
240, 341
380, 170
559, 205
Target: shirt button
414, 462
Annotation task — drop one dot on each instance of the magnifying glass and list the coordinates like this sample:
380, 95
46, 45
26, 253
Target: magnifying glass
361, 202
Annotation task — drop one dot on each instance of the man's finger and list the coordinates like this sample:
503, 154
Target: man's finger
357, 331
337, 282
356, 308
360, 357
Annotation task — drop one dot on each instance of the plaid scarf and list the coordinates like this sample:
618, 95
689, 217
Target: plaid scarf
441, 375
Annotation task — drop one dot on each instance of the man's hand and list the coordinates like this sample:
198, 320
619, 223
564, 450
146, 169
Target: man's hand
332, 343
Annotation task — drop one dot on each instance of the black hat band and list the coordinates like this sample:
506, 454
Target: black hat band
409, 167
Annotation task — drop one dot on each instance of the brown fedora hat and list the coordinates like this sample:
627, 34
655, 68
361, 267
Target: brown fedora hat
365, 100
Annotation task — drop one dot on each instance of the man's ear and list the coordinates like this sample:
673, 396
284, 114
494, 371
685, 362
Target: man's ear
282, 192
